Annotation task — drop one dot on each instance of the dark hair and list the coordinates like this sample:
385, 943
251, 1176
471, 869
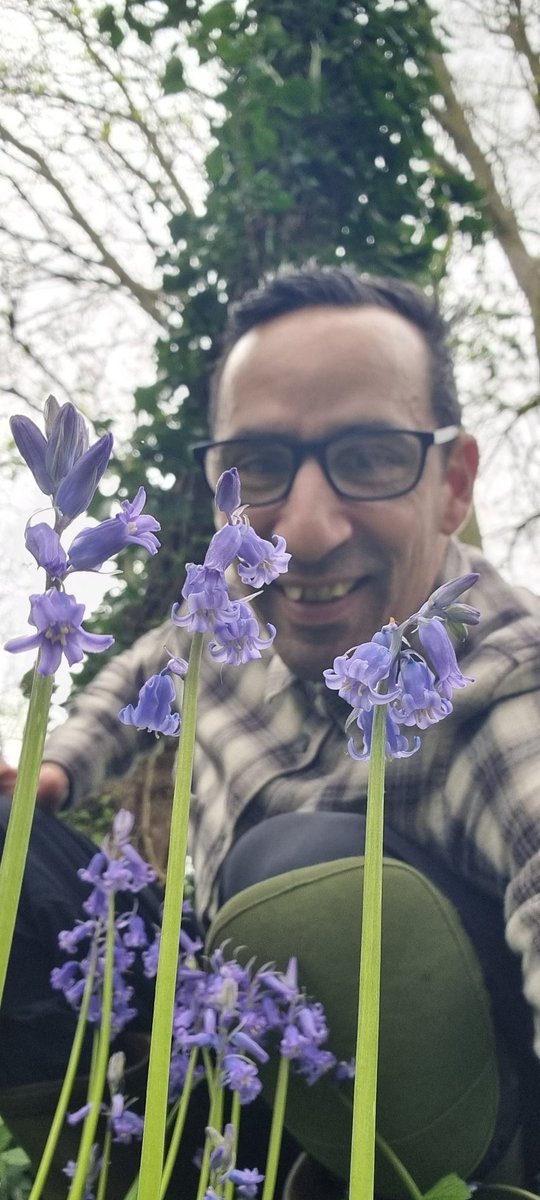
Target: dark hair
291, 290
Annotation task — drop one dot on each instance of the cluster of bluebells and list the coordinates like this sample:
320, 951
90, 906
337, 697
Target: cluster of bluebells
67, 469
414, 682
238, 1013
116, 868
209, 608
228, 1011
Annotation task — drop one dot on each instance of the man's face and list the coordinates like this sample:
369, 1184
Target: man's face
355, 563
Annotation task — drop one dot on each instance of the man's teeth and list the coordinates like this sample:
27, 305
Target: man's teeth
332, 591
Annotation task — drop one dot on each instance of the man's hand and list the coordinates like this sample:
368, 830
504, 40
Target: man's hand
53, 785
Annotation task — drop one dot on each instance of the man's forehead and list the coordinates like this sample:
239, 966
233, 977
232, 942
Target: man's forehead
321, 346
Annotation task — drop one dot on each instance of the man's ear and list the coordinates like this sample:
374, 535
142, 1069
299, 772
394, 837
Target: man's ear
461, 467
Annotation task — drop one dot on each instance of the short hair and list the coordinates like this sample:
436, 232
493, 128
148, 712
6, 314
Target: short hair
310, 286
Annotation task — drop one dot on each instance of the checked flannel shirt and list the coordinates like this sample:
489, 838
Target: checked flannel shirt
268, 743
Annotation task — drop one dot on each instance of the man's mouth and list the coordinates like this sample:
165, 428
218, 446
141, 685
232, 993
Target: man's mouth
317, 595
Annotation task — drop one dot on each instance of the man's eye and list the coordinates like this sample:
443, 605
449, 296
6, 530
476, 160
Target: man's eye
259, 463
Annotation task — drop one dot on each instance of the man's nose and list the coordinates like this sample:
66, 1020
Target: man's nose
313, 519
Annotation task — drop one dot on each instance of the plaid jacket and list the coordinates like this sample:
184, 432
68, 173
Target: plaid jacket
269, 743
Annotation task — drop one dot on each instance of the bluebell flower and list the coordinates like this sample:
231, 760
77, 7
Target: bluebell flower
125, 1124
241, 1075
397, 743
77, 489
357, 674
116, 867
388, 671
419, 702
92, 547
227, 497
246, 1181
260, 561
62, 463
153, 709
436, 641
45, 546
237, 637
442, 602
205, 591
67, 439
57, 618
32, 446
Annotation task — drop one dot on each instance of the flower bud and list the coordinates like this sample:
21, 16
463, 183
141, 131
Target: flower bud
32, 446
77, 489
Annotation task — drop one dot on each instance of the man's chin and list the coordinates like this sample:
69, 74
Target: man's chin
306, 659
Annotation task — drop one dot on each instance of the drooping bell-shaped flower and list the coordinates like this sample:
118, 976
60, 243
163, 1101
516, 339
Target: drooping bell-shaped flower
153, 709
92, 547
57, 618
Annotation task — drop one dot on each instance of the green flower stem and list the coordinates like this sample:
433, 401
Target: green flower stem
276, 1129
211, 1074
99, 1068
399, 1167
179, 1123
21, 815
236, 1111
106, 1159
215, 1120
160, 1045
67, 1086
367, 1045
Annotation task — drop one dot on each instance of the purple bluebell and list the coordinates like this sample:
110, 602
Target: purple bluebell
241, 1075
76, 490
63, 464
206, 594
246, 1181
223, 547
92, 1177
390, 672
438, 646
57, 618
227, 497
32, 446
153, 709
397, 745
419, 702
442, 602
357, 674
45, 546
260, 561
237, 637
125, 1124
67, 440
92, 547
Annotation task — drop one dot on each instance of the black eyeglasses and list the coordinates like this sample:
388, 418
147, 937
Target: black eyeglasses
364, 462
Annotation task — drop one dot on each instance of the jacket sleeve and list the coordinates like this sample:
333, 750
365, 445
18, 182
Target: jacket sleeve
93, 745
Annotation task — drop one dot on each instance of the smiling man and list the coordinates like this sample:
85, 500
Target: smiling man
335, 399
366, 509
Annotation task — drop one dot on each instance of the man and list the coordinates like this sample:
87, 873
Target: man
335, 399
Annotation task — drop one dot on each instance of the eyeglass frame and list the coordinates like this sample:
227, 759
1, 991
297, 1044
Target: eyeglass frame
303, 449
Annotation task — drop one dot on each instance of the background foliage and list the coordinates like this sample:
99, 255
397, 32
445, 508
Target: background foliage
319, 150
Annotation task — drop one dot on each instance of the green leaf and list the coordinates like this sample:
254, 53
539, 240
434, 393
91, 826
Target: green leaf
450, 1187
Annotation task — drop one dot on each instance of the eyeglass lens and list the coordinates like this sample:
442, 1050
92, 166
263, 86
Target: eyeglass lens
368, 464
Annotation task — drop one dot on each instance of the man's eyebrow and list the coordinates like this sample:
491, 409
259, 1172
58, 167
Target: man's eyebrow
374, 426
